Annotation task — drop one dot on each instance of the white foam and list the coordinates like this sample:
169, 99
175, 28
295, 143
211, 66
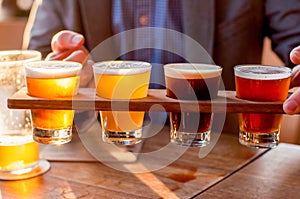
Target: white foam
52, 69
121, 67
15, 57
192, 70
14, 140
262, 72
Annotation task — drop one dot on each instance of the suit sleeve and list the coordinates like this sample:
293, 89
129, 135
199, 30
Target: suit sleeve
48, 17
283, 26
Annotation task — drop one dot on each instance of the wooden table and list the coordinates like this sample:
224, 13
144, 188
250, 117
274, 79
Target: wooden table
228, 171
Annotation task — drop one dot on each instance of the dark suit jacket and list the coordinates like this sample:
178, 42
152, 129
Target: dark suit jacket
231, 31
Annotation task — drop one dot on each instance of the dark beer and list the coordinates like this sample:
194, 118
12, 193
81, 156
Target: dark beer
191, 82
192, 89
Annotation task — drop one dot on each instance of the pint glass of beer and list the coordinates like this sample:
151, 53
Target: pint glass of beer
52, 80
191, 81
261, 83
19, 154
122, 80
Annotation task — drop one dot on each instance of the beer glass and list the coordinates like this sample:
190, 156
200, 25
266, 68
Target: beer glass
261, 83
122, 80
19, 154
52, 80
191, 81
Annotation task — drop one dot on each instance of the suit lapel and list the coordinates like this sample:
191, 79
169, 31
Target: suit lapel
199, 24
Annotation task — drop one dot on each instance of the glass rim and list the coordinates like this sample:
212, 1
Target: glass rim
37, 56
246, 71
34, 69
109, 67
192, 70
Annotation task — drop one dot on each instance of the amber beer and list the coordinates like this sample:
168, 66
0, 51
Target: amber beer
122, 80
191, 82
261, 83
52, 80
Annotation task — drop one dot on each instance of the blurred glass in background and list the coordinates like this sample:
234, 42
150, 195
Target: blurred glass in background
15, 8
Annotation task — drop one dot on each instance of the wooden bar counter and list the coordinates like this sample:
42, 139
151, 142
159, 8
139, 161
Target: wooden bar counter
229, 170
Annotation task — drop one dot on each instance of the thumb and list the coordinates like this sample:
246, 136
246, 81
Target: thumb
295, 55
65, 40
292, 104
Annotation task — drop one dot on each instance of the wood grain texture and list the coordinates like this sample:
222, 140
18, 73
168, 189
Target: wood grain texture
184, 178
155, 101
276, 174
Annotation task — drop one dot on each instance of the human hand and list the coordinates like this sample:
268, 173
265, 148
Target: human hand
292, 104
68, 45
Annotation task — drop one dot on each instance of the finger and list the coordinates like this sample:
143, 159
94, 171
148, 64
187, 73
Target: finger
65, 39
91, 84
59, 55
77, 56
292, 104
87, 72
86, 76
295, 55
64, 54
295, 76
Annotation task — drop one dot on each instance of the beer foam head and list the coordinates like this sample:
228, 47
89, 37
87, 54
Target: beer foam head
14, 57
262, 72
52, 69
121, 67
192, 70
15, 139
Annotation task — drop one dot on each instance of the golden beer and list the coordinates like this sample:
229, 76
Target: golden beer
261, 83
18, 152
122, 80
52, 80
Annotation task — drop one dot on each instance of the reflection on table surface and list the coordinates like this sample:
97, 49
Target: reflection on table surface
228, 170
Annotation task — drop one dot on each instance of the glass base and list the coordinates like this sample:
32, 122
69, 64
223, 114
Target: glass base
40, 168
50, 136
123, 138
191, 139
259, 140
